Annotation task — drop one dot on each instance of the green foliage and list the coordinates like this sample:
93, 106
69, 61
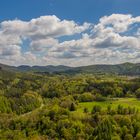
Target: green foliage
77, 107
52, 89
138, 136
72, 107
4, 105
138, 93
128, 137
96, 108
104, 129
85, 110
86, 97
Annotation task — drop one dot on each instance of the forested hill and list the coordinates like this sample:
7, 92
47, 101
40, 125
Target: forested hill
121, 69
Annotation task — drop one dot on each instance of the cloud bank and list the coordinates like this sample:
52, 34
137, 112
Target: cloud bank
50, 40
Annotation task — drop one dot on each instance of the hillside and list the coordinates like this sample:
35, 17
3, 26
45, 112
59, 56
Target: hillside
120, 69
75, 107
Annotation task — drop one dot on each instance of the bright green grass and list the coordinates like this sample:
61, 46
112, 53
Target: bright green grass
132, 102
79, 113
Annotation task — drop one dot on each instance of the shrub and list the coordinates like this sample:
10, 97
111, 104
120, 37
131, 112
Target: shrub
86, 97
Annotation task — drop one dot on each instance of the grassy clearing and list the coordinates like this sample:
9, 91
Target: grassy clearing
132, 102
79, 113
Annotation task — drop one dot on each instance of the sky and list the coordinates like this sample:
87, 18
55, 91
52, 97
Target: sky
73, 33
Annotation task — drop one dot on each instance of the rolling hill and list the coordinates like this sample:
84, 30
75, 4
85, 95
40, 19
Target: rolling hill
120, 69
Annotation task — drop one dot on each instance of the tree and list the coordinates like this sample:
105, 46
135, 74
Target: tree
128, 137
104, 131
108, 109
96, 108
138, 136
85, 110
72, 107
115, 138
138, 93
5, 106
86, 97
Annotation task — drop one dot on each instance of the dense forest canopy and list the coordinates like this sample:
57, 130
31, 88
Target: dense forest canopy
44, 106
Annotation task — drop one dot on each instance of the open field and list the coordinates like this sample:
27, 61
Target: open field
132, 102
125, 102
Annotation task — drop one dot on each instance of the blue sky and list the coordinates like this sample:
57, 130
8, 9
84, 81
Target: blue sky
69, 32
77, 10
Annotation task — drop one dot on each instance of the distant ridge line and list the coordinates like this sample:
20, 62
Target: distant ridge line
121, 69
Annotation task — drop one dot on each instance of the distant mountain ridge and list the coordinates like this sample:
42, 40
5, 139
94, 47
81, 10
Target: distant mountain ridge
49, 68
121, 69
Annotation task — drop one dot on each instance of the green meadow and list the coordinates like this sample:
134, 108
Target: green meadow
132, 102
125, 102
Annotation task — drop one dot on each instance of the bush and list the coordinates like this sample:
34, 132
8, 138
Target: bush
86, 97
100, 98
138, 136
128, 137
138, 93
96, 108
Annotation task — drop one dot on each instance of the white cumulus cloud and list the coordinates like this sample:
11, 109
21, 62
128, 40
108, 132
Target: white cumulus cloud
43, 40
